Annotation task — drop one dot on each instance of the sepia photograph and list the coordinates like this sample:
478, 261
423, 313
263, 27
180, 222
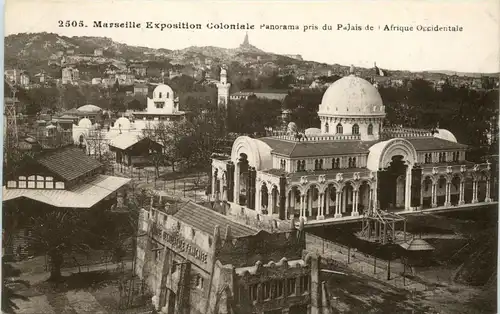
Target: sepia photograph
250, 157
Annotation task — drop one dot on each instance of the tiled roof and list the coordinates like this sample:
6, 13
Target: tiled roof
295, 149
434, 143
322, 148
205, 220
84, 196
69, 163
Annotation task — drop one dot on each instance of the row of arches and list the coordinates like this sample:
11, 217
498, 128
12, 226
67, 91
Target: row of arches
355, 129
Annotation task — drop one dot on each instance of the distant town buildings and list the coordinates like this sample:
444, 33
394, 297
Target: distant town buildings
70, 75
138, 69
98, 52
140, 89
264, 94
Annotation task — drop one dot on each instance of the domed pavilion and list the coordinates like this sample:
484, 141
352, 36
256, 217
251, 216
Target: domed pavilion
351, 166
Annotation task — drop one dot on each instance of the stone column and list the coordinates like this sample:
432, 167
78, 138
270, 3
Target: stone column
321, 209
355, 201
258, 196
270, 202
474, 191
338, 214
422, 188
488, 188
327, 202
461, 192
302, 207
408, 188
309, 201
370, 200
237, 183
214, 179
447, 199
434, 194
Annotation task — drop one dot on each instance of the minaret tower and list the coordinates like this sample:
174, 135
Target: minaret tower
223, 89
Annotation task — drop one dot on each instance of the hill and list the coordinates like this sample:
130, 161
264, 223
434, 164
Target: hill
34, 51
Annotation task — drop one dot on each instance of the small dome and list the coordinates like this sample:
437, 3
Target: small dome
89, 108
85, 123
122, 123
445, 135
163, 91
50, 126
351, 96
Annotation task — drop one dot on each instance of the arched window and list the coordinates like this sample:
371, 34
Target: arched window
349, 162
316, 165
327, 128
340, 129
159, 95
321, 164
303, 165
355, 129
298, 165
168, 94
370, 129
354, 162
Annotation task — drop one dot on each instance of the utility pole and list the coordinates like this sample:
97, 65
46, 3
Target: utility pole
10, 132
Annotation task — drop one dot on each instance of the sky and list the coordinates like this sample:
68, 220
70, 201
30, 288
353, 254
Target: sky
475, 49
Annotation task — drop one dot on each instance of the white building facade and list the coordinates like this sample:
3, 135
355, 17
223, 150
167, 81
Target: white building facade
351, 166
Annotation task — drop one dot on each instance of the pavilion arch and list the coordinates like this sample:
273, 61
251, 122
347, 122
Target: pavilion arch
367, 181
335, 184
313, 184
381, 154
355, 184
258, 153
290, 188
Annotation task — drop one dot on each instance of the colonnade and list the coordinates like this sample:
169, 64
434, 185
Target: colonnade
350, 197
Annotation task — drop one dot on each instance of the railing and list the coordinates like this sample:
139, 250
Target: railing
396, 274
390, 132
317, 138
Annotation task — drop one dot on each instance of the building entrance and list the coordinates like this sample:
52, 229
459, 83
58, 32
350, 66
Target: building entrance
392, 184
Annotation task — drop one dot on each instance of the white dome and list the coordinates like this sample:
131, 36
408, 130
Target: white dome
85, 123
163, 91
351, 96
445, 135
122, 123
89, 108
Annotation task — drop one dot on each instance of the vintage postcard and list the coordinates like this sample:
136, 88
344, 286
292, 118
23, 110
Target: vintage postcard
250, 157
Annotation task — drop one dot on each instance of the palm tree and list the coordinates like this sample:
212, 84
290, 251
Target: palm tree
9, 281
57, 233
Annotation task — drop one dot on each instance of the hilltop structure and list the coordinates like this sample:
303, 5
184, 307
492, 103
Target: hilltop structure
351, 166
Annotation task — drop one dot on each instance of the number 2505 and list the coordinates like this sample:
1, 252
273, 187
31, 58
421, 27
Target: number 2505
71, 24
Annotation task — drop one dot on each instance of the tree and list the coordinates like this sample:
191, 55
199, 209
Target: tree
9, 281
57, 233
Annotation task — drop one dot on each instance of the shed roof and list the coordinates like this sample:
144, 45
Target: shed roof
69, 163
84, 196
205, 220
125, 141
